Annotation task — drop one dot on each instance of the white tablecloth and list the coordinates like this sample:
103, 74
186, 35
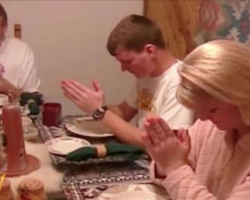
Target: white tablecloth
51, 177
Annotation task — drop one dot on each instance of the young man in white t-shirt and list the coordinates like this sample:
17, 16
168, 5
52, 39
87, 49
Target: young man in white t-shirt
17, 70
137, 43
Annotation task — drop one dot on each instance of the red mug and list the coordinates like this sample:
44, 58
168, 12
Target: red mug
51, 114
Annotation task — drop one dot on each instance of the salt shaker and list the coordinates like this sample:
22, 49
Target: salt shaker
31, 189
6, 192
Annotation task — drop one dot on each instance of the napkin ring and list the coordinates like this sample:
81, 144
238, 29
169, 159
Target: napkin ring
101, 151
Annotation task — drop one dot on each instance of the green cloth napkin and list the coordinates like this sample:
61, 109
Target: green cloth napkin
128, 152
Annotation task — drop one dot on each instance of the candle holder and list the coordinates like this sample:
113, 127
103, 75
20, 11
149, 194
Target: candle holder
17, 162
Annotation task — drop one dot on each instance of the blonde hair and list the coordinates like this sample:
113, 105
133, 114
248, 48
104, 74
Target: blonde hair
218, 69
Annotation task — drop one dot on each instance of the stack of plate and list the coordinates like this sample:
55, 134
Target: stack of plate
30, 133
4, 99
65, 145
88, 128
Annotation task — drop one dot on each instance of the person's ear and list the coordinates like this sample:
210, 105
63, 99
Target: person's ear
150, 49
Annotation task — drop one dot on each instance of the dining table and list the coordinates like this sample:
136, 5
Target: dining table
86, 179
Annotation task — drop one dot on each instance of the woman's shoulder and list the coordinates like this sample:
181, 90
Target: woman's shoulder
205, 126
204, 130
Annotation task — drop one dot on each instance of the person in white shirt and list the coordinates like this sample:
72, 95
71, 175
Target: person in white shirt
137, 43
17, 70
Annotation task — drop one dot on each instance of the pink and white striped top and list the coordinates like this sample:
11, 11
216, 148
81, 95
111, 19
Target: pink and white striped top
220, 167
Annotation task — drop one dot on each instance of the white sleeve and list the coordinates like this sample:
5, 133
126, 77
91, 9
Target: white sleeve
131, 97
176, 115
28, 78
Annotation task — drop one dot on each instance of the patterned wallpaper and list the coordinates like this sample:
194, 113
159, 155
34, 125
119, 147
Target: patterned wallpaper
188, 23
223, 19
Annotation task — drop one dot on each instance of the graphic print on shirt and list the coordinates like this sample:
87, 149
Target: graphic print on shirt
146, 101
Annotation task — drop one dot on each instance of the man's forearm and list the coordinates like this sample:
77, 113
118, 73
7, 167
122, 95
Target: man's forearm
123, 130
116, 110
9, 89
126, 113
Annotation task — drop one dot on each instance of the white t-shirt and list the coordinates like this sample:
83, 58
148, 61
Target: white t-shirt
157, 95
17, 65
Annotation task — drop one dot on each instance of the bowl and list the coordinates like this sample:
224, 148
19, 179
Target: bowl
30, 133
26, 121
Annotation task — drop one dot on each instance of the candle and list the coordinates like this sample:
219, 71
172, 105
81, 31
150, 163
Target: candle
13, 130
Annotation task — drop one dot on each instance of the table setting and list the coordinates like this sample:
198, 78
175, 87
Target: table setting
86, 160
53, 137
95, 160
23, 157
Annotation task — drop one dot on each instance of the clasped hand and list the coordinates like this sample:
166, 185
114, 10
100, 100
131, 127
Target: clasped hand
169, 150
87, 99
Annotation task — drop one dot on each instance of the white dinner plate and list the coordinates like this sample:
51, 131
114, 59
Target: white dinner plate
137, 195
4, 99
80, 130
144, 163
65, 145
30, 133
85, 118
26, 121
134, 192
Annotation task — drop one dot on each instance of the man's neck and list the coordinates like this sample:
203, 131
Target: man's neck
164, 60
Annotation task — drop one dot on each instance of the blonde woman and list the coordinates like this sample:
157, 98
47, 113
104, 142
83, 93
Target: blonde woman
210, 161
